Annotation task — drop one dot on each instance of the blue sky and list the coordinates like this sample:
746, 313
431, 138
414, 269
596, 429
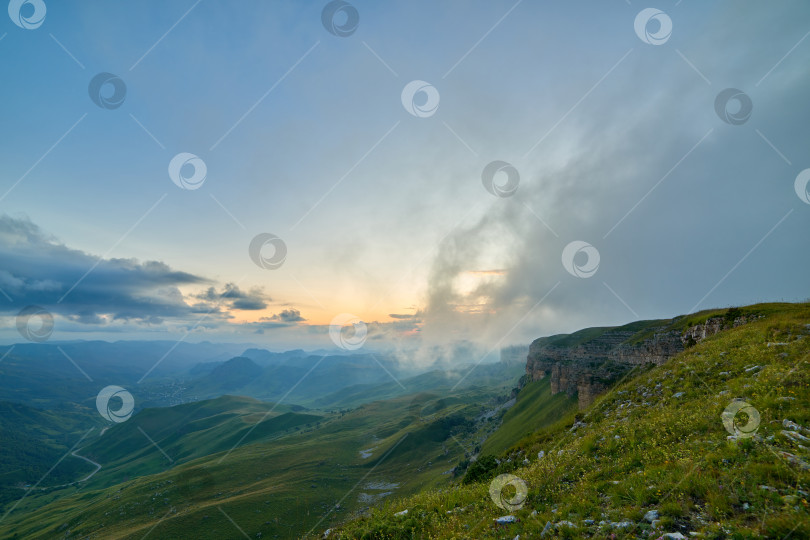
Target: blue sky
304, 136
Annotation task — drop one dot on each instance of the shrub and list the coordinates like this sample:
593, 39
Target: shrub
480, 469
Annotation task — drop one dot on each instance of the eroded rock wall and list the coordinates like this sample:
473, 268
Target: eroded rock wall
590, 368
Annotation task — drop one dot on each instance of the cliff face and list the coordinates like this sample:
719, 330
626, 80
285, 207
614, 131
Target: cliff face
589, 362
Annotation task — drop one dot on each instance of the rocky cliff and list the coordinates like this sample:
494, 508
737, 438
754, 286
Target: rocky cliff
587, 362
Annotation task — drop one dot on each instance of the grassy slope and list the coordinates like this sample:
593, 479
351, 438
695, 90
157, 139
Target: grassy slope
282, 487
535, 409
185, 432
31, 441
658, 451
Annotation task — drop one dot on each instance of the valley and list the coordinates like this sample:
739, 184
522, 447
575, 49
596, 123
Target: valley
280, 470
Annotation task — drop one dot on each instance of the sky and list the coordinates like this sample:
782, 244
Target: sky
203, 170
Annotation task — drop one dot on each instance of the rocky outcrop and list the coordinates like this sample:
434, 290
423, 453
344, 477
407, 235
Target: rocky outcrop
588, 362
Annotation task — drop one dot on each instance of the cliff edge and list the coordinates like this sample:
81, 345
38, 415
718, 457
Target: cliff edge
588, 362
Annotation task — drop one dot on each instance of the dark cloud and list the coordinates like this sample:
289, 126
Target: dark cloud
38, 269
248, 304
288, 316
235, 298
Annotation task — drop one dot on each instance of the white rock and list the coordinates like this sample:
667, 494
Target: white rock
503, 520
793, 425
404, 512
651, 516
794, 436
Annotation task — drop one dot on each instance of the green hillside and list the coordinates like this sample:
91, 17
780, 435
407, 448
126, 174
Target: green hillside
655, 446
305, 472
534, 410
32, 441
186, 432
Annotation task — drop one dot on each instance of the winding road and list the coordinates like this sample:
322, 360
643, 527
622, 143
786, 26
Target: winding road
88, 460
85, 479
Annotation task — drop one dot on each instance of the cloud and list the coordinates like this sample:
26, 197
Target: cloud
235, 298
84, 288
288, 316
402, 316
668, 221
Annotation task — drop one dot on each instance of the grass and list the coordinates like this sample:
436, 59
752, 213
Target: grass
654, 442
535, 409
283, 484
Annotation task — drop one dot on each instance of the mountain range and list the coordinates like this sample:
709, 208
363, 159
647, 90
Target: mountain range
366, 450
